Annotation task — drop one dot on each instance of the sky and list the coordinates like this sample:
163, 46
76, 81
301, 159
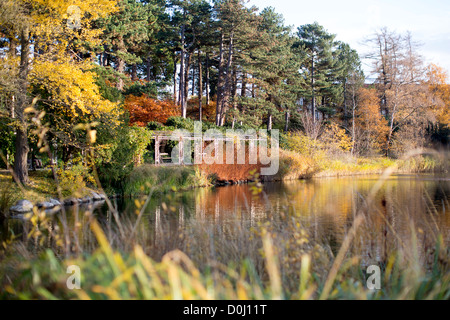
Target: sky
353, 21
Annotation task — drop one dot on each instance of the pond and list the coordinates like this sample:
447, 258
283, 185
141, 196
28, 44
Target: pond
324, 207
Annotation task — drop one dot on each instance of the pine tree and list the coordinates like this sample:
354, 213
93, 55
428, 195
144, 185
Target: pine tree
126, 33
320, 66
274, 66
237, 25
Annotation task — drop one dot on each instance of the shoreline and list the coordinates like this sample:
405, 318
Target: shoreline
91, 196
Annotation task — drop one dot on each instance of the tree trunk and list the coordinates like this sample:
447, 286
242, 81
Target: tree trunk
175, 93
186, 78
106, 62
21, 156
120, 64
269, 122
22, 148
313, 98
148, 68
12, 48
134, 76
227, 89
234, 93
286, 119
234, 83
193, 82
391, 131
220, 82
244, 85
200, 86
182, 74
207, 80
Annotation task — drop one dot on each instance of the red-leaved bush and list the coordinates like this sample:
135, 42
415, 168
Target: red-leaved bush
144, 109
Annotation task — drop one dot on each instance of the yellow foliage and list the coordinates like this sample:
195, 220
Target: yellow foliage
339, 137
71, 88
52, 19
302, 144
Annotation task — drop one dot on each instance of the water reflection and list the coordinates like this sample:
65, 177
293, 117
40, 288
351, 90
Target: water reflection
324, 207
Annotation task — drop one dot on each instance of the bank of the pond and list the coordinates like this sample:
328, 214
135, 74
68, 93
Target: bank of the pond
41, 192
370, 166
292, 166
147, 178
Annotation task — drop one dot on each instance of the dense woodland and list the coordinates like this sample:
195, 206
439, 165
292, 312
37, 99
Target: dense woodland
78, 76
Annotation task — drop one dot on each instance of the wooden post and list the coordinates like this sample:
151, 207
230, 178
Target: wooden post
157, 156
216, 152
198, 154
181, 151
252, 152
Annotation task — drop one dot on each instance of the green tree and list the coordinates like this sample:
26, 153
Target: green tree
125, 36
274, 64
320, 67
238, 29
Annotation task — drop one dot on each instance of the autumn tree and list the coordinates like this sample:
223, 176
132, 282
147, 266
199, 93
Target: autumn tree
370, 127
440, 89
52, 29
399, 80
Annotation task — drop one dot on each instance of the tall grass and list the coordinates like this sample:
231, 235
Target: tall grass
268, 262
8, 197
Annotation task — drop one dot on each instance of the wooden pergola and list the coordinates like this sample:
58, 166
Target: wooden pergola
160, 136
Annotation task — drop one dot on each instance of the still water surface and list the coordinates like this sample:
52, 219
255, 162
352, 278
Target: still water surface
325, 207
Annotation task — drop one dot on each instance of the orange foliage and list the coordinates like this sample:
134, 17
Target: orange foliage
369, 118
144, 109
231, 172
439, 87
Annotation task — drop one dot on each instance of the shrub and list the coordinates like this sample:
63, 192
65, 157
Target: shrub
294, 166
154, 125
336, 139
72, 181
180, 123
302, 144
119, 151
144, 109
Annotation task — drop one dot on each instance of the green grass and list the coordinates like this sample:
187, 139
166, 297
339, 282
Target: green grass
42, 186
150, 178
